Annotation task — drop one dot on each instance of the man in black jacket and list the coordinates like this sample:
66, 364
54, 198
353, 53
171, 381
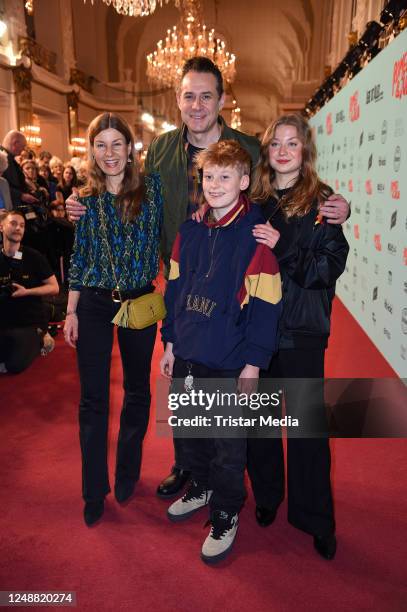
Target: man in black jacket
13, 143
25, 278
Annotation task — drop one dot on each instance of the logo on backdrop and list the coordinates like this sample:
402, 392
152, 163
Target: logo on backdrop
395, 191
367, 212
375, 293
354, 107
404, 320
388, 307
340, 117
382, 162
397, 159
384, 131
329, 126
368, 187
375, 94
398, 127
387, 333
393, 220
370, 161
377, 242
399, 84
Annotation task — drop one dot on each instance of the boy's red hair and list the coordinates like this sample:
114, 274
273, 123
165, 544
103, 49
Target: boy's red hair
225, 153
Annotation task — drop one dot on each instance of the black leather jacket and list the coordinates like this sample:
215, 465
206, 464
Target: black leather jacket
312, 255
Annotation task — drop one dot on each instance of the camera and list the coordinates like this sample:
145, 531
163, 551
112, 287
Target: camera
6, 288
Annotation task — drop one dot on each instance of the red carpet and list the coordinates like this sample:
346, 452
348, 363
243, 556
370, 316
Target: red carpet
136, 560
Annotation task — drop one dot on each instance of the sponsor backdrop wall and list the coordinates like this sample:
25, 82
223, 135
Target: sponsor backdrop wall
361, 136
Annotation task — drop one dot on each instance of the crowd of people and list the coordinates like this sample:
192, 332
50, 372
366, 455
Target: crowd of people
231, 218
33, 191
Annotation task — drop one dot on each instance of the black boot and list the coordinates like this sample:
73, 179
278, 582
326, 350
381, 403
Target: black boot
124, 489
173, 483
325, 546
93, 511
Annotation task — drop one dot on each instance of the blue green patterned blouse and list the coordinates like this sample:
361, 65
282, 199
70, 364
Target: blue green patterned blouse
134, 246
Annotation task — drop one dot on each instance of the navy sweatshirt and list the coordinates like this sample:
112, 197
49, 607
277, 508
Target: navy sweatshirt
223, 296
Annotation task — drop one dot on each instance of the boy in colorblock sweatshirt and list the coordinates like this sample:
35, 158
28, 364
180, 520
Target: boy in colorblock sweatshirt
223, 302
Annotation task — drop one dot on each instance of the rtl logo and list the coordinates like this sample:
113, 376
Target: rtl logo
350, 185
356, 231
368, 187
377, 242
405, 256
395, 191
329, 125
354, 108
336, 185
399, 86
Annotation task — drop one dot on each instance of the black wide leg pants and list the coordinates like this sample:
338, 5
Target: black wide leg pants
95, 312
310, 504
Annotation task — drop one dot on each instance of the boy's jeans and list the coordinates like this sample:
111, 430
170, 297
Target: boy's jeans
216, 463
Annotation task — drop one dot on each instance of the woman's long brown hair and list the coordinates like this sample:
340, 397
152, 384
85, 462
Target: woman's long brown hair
307, 188
131, 193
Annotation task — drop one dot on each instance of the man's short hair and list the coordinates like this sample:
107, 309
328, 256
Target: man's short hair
204, 64
45, 154
12, 212
225, 153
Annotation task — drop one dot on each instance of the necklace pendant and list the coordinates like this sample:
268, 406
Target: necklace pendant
116, 295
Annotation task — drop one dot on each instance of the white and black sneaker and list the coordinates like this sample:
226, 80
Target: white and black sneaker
195, 498
220, 540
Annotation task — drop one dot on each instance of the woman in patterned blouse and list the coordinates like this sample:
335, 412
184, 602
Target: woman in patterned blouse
115, 257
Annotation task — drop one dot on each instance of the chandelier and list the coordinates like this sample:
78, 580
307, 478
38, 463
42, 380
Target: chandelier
135, 8
188, 39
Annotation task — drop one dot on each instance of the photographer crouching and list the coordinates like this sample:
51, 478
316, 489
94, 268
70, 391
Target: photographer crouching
25, 278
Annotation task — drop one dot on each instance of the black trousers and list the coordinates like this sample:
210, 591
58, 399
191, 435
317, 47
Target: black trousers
216, 463
310, 503
19, 347
94, 348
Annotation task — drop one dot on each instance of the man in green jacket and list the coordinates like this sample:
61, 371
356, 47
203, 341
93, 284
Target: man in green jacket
200, 98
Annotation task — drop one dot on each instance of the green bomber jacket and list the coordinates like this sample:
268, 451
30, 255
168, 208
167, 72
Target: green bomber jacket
167, 156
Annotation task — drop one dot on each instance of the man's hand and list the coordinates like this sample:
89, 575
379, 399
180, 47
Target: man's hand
335, 209
74, 209
28, 198
20, 291
248, 379
71, 329
167, 361
266, 234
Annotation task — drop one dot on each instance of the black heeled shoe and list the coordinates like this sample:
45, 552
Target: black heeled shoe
265, 516
325, 546
123, 490
93, 511
173, 483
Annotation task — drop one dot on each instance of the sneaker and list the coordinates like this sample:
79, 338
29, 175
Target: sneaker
48, 344
195, 498
220, 540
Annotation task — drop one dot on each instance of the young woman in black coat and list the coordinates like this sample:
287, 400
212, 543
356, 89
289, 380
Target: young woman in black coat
312, 254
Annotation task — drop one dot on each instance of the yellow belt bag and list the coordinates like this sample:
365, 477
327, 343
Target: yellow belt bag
139, 312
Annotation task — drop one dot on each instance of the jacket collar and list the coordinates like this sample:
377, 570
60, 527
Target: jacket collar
242, 207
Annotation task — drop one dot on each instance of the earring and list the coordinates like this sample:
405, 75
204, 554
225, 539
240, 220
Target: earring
129, 160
